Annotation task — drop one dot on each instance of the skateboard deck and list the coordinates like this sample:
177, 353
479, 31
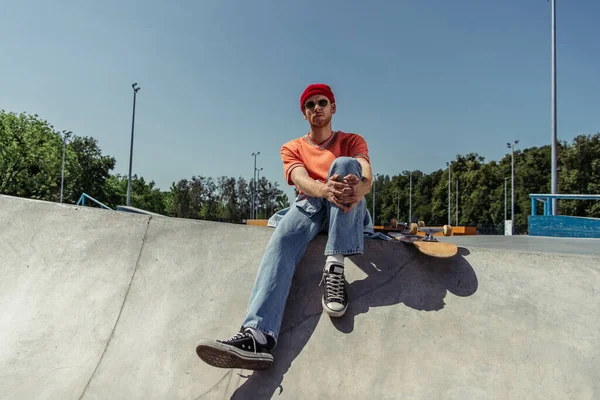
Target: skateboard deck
428, 244
399, 227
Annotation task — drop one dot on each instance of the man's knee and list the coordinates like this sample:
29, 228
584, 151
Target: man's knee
345, 166
345, 162
295, 226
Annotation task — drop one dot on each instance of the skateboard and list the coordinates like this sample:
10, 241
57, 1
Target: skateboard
400, 227
427, 244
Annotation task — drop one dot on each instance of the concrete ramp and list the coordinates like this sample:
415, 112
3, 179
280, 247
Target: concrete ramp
64, 272
100, 304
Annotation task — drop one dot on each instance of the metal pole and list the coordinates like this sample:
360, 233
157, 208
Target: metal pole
456, 204
505, 179
135, 90
554, 180
374, 182
449, 190
253, 187
62, 174
398, 213
410, 201
256, 210
511, 146
512, 191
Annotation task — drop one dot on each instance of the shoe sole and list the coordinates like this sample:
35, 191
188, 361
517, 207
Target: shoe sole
224, 356
331, 312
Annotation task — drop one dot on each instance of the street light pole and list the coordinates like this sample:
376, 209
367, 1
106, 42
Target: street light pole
456, 203
512, 189
449, 164
62, 174
398, 212
253, 186
135, 90
505, 179
257, 198
374, 185
554, 179
410, 201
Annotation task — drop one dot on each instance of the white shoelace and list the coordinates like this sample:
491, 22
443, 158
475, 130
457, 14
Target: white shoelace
240, 335
335, 286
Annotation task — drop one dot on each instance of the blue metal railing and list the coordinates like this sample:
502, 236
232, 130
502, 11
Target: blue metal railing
546, 199
85, 196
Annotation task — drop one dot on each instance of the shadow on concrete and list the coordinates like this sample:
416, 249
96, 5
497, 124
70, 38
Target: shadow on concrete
396, 273
405, 276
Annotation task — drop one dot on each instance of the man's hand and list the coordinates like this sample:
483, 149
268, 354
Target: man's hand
336, 192
353, 193
345, 194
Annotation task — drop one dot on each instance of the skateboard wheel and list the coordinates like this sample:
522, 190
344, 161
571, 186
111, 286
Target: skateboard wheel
447, 229
414, 228
421, 224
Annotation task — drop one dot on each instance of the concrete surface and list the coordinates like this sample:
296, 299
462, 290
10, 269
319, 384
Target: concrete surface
100, 304
65, 271
530, 244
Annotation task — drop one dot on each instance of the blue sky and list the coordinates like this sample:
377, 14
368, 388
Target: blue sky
422, 81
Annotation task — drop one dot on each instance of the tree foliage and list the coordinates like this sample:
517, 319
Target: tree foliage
30, 157
31, 153
481, 187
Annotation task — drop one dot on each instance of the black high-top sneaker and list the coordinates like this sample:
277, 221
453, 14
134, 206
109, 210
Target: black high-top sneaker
335, 299
241, 351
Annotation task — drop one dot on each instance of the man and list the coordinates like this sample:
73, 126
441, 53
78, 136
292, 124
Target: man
332, 173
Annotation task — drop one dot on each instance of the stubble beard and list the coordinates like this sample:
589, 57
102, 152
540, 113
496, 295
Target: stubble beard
321, 122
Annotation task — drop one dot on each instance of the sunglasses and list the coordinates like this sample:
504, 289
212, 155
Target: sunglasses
311, 104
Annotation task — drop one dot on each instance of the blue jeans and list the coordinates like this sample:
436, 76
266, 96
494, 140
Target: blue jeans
306, 218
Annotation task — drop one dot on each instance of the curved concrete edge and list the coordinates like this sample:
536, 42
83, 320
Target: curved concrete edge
65, 271
139, 211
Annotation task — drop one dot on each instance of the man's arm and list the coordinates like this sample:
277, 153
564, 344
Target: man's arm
364, 186
333, 190
345, 194
306, 184
357, 188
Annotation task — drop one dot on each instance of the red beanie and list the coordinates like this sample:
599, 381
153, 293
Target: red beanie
316, 88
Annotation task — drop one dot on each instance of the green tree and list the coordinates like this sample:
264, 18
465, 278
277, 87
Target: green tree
209, 200
580, 173
282, 201
143, 195
88, 170
230, 211
243, 198
179, 200
30, 157
31, 161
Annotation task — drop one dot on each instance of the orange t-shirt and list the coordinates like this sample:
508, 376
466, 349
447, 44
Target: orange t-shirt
317, 158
